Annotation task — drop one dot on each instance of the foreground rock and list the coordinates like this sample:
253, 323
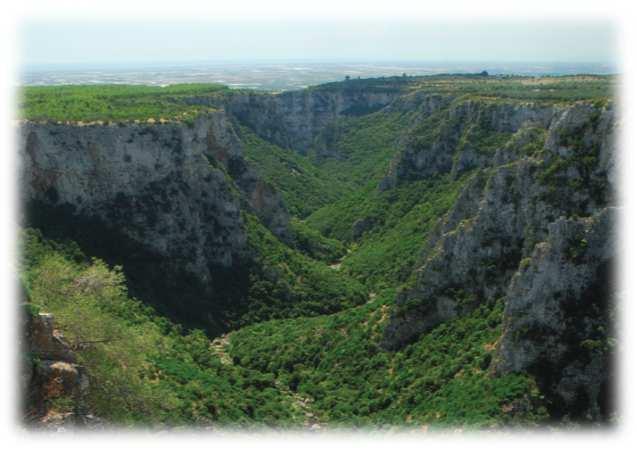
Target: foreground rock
54, 385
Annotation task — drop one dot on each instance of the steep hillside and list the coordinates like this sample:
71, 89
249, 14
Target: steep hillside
293, 120
136, 367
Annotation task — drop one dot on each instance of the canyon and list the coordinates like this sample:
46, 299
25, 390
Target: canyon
423, 207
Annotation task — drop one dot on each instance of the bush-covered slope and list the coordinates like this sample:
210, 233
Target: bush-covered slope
386, 230
142, 368
304, 186
346, 155
442, 379
355, 150
286, 283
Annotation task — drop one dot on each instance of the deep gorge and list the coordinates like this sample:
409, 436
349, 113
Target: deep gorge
395, 250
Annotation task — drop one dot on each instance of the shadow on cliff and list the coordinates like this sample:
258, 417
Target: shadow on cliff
153, 279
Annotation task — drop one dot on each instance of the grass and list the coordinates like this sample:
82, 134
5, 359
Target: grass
115, 102
548, 89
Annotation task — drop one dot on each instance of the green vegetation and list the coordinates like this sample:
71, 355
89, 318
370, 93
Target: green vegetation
142, 368
312, 243
377, 85
544, 89
307, 317
387, 254
394, 223
285, 283
116, 102
442, 379
303, 186
360, 147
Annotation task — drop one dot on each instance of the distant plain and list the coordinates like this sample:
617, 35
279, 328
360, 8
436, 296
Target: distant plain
280, 76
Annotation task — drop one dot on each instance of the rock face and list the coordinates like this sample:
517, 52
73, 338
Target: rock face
153, 183
456, 133
557, 316
50, 375
295, 119
508, 238
225, 146
165, 199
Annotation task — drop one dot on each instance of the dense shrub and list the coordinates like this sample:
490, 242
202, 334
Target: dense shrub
114, 102
142, 368
442, 379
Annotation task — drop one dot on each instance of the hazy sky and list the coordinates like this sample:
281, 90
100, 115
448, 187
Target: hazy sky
128, 42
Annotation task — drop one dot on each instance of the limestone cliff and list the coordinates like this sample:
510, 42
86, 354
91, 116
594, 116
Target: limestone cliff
558, 317
225, 146
295, 119
163, 198
535, 212
455, 135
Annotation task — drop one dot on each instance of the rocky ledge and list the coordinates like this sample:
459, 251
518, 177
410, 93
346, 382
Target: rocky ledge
55, 385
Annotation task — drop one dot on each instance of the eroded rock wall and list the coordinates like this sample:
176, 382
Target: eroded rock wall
295, 119
164, 200
513, 236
